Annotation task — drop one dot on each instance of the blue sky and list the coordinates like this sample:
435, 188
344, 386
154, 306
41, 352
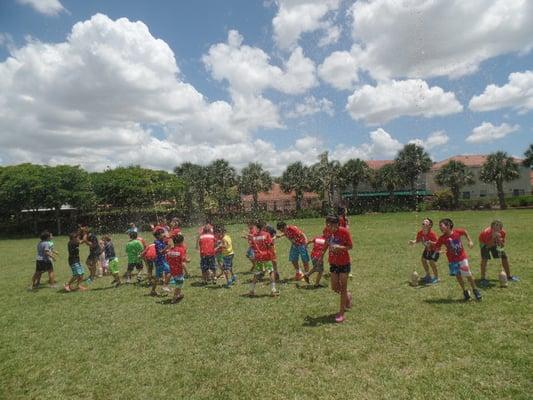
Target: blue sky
107, 83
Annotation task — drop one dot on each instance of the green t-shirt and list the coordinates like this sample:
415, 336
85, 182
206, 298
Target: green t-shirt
134, 249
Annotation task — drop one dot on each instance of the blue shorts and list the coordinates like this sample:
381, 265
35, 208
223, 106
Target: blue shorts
207, 263
177, 281
250, 253
227, 262
299, 252
77, 269
161, 269
460, 268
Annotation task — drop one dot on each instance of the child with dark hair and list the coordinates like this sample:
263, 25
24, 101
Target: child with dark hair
43, 260
428, 238
225, 247
206, 244
456, 254
73, 248
176, 258
298, 247
94, 254
262, 244
162, 270
134, 249
112, 260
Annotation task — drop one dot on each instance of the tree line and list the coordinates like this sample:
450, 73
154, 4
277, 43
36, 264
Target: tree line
217, 187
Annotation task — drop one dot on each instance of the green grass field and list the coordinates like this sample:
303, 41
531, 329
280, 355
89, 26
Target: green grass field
398, 342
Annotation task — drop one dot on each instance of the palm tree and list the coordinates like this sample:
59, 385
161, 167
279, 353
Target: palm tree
411, 162
454, 175
295, 178
387, 177
326, 179
353, 172
528, 161
255, 179
194, 178
499, 168
222, 178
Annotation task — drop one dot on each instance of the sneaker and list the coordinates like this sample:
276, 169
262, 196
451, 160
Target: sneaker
177, 299
306, 278
349, 303
128, 281
139, 278
477, 294
466, 295
298, 276
484, 283
167, 289
274, 293
513, 278
233, 278
66, 287
88, 281
340, 318
350, 275
426, 279
117, 284
434, 280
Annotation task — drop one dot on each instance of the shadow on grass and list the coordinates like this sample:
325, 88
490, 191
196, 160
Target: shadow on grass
199, 284
104, 288
258, 296
311, 287
492, 283
445, 301
312, 322
168, 302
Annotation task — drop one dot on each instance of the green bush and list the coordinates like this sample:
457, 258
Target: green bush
442, 200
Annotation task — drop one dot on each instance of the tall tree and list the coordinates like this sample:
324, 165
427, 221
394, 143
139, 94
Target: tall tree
411, 162
295, 178
454, 175
354, 172
255, 179
387, 178
67, 184
326, 180
195, 181
528, 161
222, 178
499, 168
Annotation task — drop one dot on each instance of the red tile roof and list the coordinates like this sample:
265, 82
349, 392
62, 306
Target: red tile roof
377, 164
276, 194
474, 160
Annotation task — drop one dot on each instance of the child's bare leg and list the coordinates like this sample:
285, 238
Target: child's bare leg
273, 283
252, 285
471, 282
335, 282
318, 277
296, 266
434, 269
425, 265
306, 266
461, 281
483, 268
343, 289
35, 280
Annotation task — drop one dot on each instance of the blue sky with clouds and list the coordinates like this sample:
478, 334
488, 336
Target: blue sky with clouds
107, 83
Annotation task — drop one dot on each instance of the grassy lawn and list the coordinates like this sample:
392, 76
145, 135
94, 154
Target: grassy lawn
398, 342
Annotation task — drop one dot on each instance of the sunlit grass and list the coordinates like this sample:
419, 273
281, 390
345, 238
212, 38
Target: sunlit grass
397, 342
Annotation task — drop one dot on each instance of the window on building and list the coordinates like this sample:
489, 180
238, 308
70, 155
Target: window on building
518, 192
466, 195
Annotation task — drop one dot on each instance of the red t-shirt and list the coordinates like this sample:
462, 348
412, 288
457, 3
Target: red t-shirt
176, 257
341, 237
319, 246
262, 246
454, 246
207, 244
175, 231
251, 233
295, 235
426, 238
343, 221
486, 237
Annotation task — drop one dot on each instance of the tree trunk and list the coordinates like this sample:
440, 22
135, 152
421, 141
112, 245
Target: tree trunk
298, 197
413, 193
501, 195
256, 201
455, 193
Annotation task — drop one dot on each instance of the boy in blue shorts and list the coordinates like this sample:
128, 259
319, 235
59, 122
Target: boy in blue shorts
298, 247
73, 247
43, 261
226, 251
111, 260
162, 270
177, 257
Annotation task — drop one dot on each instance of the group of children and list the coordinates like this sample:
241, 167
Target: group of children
491, 241
166, 258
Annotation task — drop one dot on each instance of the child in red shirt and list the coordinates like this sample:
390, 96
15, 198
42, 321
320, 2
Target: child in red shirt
427, 237
492, 242
206, 244
262, 247
298, 247
339, 243
176, 258
317, 258
457, 257
252, 230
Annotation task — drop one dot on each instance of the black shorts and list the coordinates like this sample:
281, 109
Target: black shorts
430, 255
137, 266
487, 252
44, 266
340, 269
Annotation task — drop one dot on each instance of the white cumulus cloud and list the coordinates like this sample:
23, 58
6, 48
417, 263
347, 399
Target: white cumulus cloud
312, 105
47, 7
381, 146
296, 17
434, 139
393, 99
487, 132
340, 68
516, 94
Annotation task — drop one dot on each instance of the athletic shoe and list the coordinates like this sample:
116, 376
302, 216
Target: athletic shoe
139, 279
513, 278
477, 294
117, 284
340, 318
349, 303
233, 278
128, 280
166, 289
274, 293
466, 295
88, 281
434, 281
298, 276
426, 279
484, 283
